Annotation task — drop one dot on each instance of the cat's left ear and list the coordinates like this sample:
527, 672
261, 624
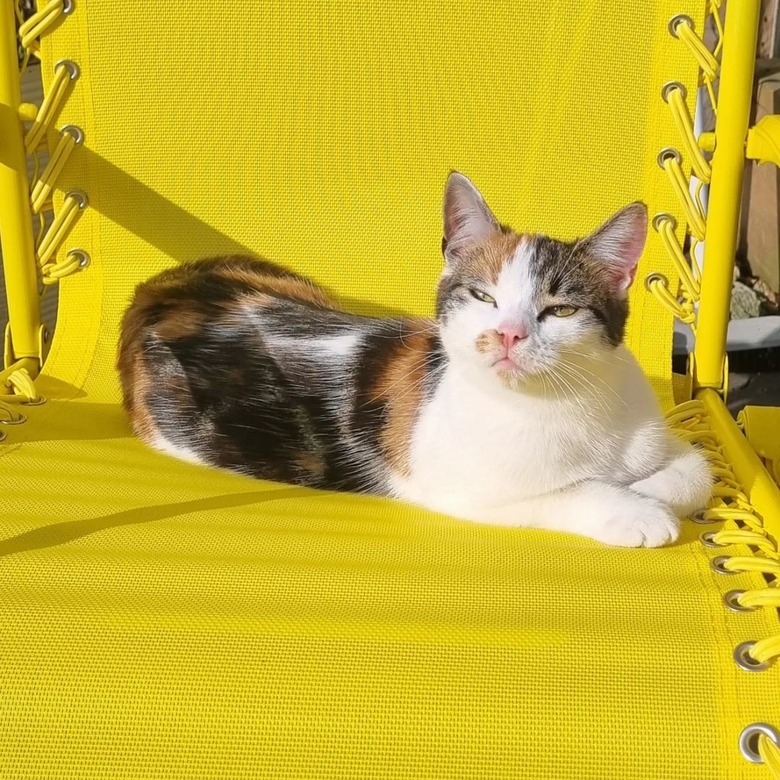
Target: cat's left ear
619, 243
467, 218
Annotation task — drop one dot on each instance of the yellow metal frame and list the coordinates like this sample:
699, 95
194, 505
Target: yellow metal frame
23, 336
728, 160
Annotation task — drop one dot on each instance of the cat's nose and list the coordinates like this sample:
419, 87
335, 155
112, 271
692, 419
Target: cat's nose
512, 335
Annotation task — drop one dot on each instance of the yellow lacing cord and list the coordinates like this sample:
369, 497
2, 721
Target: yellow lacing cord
41, 191
675, 97
770, 753
684, 306
673, 168
23, 386
741, 526
63, 75
703, 56
683, 310
53, 271
39, 23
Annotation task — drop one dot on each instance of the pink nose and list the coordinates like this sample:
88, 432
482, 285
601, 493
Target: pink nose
512, 335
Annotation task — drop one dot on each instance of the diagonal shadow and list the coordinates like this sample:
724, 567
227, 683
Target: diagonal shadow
174, 231
62, 533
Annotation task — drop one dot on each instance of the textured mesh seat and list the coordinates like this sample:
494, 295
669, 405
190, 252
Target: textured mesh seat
163, 620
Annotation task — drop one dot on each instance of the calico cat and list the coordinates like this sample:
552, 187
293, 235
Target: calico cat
517, 405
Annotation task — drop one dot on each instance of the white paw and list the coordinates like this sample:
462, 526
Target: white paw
635, 521
685, 484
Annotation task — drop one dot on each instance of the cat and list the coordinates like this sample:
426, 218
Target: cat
518, 405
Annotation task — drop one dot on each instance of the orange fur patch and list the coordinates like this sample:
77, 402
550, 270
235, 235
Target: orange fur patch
290, 287
487, 342
492, 254
400, 385
311, 464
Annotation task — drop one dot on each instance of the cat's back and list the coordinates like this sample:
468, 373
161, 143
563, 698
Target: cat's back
241, 364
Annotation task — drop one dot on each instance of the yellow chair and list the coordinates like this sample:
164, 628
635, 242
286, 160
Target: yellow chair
162, 620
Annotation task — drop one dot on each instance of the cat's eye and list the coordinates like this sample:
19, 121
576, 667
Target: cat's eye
562, 311
482, 296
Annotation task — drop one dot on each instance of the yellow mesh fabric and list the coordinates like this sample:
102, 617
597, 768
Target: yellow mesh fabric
162, 620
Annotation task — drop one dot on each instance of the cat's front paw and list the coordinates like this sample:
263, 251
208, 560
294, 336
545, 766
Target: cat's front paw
635, 521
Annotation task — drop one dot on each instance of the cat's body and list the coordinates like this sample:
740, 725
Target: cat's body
486, 413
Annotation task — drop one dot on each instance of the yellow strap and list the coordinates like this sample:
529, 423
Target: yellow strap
770, 753
766, 649
22, 384
48, 108
682, 311
57, 231
752, 563
689, 278
761, 597
43, 187
751, 538
705, 58
682, 118
40, 22
677, 178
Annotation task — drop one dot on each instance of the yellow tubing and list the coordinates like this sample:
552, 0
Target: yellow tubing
15, 222
736, 86
763, 493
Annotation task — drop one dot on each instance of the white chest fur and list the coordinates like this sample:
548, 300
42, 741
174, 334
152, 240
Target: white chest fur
478, 443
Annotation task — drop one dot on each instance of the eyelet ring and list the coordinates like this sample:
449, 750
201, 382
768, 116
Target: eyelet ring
669, 86
700, 517
39, 401
668, 153
659, 219
18, 421
731, 600
745, 661
748, 740
75, 132
708, 539
655, 277
73, 69
717, 564
68, 7
676, 21
79, 196
82, 256
3, 437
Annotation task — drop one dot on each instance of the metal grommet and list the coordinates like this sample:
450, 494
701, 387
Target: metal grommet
708, 539
700, 517
79, 196
731, 600
76, 132
669, 86
663, 217
748, 740
39, 401
2, 436
674, 23
668, 153
717, 564
70, 66
82, 256
68, 6
746, 661
18, 421
655, 277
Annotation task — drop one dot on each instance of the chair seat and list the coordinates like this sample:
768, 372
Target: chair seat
167, 620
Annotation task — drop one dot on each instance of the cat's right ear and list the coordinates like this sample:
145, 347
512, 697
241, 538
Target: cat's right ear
467, 218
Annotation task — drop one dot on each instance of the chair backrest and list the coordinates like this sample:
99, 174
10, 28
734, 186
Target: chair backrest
319, 135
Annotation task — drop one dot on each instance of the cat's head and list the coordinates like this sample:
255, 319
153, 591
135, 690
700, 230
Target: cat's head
521, 306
